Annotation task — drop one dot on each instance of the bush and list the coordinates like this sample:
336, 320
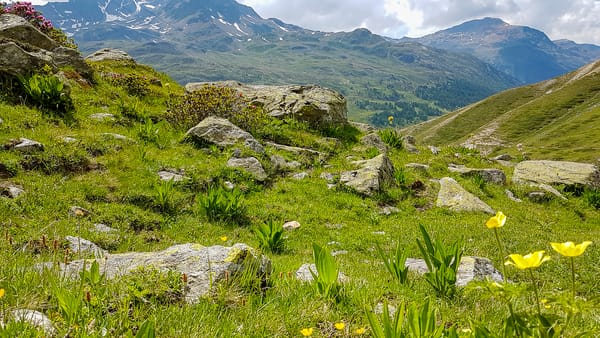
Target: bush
135, 85
222, 205
188, 110
48, 93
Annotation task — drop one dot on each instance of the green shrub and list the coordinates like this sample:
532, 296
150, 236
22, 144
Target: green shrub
135, 85
346, 133
223, 205
148, 132
164, 199
325, 279
270, 236
391, 137
49, 94
442, 262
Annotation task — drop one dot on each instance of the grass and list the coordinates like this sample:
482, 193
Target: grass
124, 194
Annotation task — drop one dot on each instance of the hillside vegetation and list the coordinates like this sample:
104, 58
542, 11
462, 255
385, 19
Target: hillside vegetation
555, 119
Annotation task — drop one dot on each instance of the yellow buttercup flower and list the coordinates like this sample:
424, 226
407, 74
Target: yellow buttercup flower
360, 330
223, 238
1, 293
532, 260
339, 326
570, 249
306, 332
496, 221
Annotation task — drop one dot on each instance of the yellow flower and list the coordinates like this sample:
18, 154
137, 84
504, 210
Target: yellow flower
307, 332
223, 238
390, 119
532, 260
360, 330
570, 249
496, 221
339, 326
1, 293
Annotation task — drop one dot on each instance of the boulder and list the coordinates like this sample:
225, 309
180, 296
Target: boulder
495, 176
223, 133
63, 56
249, 164
310, 103
375, 141
371, 176
10, 190
556, 172
109, 54
79, 245
15, 27
205, 267
456, 198
26, 145
470, 268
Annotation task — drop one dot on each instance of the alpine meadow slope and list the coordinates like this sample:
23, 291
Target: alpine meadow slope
555, 119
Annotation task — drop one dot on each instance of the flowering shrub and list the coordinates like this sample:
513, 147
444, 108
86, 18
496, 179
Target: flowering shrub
35, 17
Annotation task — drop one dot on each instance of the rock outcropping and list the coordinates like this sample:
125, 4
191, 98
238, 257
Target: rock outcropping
456, 198
313, 104
371, 176
556, 172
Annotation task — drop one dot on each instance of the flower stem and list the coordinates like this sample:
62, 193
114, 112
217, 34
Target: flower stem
502, 254
573, 275
536, 292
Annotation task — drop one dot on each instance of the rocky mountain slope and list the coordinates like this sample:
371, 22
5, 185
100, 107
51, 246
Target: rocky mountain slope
557, 118
522, 52
223, 40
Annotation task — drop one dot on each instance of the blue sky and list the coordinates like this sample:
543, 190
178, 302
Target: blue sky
577, 20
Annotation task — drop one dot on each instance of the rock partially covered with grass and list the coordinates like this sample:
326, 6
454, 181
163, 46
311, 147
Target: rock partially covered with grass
204, 267
557, 172
454, 197
219, 131
371, 176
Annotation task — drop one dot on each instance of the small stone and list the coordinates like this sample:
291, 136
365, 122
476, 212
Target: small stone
538, 197
28, 146
291, 225
83, 246
379, 309
388, 210
1, 120
228, 185
10, 190
67, 139
99, 227
102, 117
76, 211
300, 176
334, 226
36, 319
503, 157
512, 196
249, 164
330, 186
339, 252
329, 177
115, 136
379, 233
166, 175
434, 150
293, 165
417, 166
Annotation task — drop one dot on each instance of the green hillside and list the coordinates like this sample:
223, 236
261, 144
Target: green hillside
555, 119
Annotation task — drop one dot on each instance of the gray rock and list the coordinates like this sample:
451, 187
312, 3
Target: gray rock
417, 166
470, 268
389, 210
35, 319
223, 133
495, 176
10, 190
556, 172
168, 175
538, 197
313, 104
249, 164
109, 54
339, 252
102, 117
76, 211
291, 225
379, 233
503, 157
205, 267
456, 198
103, 228
79, 245
304, 273
371, 177
329, 177
375, 141
228, 185
28, 146
68, 139
296, 150
17, 28
115, 136
300, 176
512, 196
280, 164
434, 150
410, 144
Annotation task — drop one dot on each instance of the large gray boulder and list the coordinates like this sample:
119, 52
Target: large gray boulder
371, 176
221, 132
492, 175
310, 103
249, 164
205, 267
556, 172
24, 48
471, 268
454, 197
109, 54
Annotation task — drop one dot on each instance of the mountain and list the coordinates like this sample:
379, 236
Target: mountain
522, 52
555, 119
223, 40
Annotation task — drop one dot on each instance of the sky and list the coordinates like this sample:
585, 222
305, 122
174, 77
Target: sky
577, 20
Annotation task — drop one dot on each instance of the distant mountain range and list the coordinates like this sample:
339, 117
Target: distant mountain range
213, 40
554, 119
